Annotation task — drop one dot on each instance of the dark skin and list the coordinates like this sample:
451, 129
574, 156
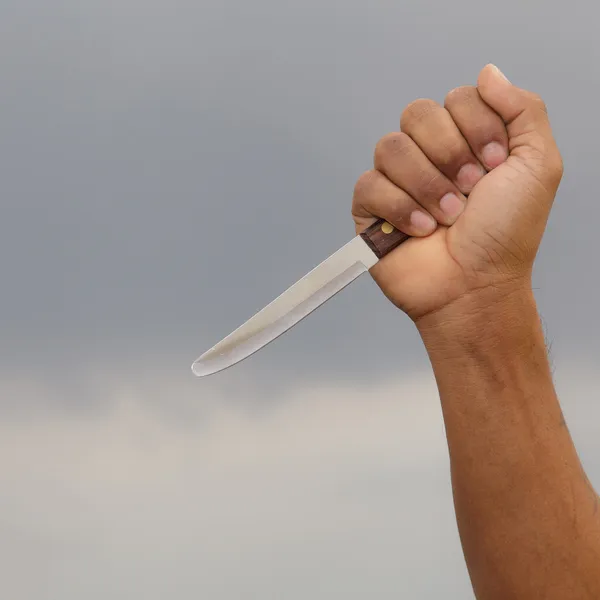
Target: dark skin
474, 181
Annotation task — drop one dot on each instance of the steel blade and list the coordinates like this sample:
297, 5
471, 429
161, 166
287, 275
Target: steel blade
298, 301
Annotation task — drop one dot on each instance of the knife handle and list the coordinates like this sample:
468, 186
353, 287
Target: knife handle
382, 237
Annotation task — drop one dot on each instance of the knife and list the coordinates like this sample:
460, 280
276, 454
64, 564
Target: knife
307, 294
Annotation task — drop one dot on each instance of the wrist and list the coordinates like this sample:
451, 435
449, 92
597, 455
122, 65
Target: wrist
484, 317
491, 345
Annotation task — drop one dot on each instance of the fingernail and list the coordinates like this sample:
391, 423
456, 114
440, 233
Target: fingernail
468, 176
452, 206
422, 222
498, 72
494, 154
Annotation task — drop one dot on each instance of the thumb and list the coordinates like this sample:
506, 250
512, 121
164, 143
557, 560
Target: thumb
522, 111
526, 118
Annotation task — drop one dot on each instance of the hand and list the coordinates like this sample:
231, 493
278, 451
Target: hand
474, 182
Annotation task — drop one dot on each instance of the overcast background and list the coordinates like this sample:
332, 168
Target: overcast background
167, 167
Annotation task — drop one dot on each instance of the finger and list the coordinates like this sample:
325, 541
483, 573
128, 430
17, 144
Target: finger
480, 125
377, 196
399, 158
432, 128
527, 124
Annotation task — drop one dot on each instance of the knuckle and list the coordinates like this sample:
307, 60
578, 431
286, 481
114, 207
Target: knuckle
398, 210
460, 95
545, 165
364, 184
416, 111
560, 164
451, 155
430, 182
556, 167
392, 145
538, 102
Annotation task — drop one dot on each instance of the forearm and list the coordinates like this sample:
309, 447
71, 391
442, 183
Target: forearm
528, 517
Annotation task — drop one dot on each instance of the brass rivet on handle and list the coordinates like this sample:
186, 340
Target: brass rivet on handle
387, 228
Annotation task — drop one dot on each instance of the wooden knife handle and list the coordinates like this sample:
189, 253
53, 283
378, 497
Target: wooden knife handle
382, 237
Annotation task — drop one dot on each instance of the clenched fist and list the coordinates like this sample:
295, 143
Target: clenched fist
473, 181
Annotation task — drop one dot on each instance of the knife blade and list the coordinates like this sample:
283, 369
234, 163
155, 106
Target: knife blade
298, 301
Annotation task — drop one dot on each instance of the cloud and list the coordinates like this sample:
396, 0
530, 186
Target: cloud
333, 490
130, 132
168, 168
329, 490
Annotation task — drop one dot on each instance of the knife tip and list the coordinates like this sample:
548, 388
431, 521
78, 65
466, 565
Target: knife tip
199, 370
207, 365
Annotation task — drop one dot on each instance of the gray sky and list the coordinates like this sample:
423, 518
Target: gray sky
166, 169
